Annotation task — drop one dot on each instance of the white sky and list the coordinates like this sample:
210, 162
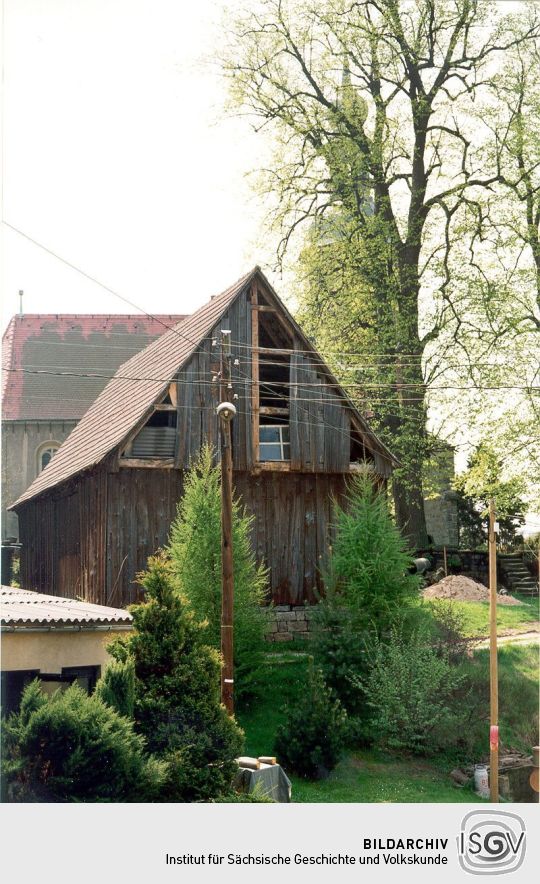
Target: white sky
117, 156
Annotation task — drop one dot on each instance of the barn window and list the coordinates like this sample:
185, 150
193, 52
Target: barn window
45, 454
274, 442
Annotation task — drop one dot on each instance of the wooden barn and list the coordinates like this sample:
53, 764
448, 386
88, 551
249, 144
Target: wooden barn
106, 500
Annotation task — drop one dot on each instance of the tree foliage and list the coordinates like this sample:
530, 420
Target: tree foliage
195, 551
177, 692
372, 106
312, 739
482, 482
413, 692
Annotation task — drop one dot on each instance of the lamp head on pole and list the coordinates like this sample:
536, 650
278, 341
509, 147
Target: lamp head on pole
226, 411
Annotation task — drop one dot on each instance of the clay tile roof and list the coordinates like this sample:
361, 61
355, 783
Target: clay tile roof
43, 356
131, 393
22, 607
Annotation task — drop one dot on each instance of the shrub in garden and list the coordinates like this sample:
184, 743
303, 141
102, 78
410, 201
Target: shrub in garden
369, 561
177, 692
339, 649
368, 588
195, 551
116, 687
311, 740
415, 694
72, 747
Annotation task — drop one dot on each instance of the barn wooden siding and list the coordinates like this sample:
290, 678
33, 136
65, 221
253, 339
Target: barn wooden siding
90, 541
91, 536
291, 529
197, 400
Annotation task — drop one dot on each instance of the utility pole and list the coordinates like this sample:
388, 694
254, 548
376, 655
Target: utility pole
226, 411
493, 681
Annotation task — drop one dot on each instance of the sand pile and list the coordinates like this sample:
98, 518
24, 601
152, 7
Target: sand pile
463, 589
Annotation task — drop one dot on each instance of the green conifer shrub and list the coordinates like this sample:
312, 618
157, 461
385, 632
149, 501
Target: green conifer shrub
369, 559
177, 692
367, 589
72, 747
313, 737
195, 551
116, 687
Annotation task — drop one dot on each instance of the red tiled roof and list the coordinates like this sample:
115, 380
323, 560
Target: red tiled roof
131, 393
55, 365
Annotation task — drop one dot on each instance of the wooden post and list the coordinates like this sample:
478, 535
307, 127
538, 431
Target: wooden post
227, 583
445, 562
493, 681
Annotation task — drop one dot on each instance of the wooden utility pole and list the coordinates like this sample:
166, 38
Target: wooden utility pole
493, 681
226, 412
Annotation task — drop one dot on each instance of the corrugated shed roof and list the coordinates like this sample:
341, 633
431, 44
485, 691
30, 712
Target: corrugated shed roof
22, 607
131, 393
43, 356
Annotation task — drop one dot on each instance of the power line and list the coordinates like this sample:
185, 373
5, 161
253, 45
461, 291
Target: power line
277, 384
175, 330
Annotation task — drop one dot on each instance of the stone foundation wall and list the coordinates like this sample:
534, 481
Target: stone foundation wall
287, 622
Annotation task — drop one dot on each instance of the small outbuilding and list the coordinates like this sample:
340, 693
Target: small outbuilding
58, 640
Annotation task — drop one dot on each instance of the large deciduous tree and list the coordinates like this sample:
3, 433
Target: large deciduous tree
370, 104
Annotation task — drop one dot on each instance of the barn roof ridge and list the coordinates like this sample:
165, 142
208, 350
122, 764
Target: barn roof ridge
120, 405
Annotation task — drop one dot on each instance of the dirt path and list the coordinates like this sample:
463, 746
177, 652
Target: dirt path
530, 636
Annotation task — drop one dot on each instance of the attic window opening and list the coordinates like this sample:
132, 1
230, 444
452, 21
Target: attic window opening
274, 430
157, 439
358, 451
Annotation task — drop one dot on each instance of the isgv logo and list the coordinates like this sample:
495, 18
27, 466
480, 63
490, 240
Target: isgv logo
491, 843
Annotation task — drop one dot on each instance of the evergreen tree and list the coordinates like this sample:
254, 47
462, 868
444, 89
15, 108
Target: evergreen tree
369, 560
195, 551
367, 589
177, 692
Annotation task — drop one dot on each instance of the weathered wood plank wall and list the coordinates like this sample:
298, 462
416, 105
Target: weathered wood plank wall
320, 424
291, 527
91, 543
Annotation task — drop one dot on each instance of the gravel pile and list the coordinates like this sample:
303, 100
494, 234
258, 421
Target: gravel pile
463, 589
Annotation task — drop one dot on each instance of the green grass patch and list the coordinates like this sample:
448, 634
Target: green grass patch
370, 776
282, 681
476, 616
518, 698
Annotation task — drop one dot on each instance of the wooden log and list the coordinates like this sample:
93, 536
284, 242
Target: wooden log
250, 763
267, 759
267, 409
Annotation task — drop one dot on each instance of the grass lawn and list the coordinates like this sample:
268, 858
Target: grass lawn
476, 616
371, 776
